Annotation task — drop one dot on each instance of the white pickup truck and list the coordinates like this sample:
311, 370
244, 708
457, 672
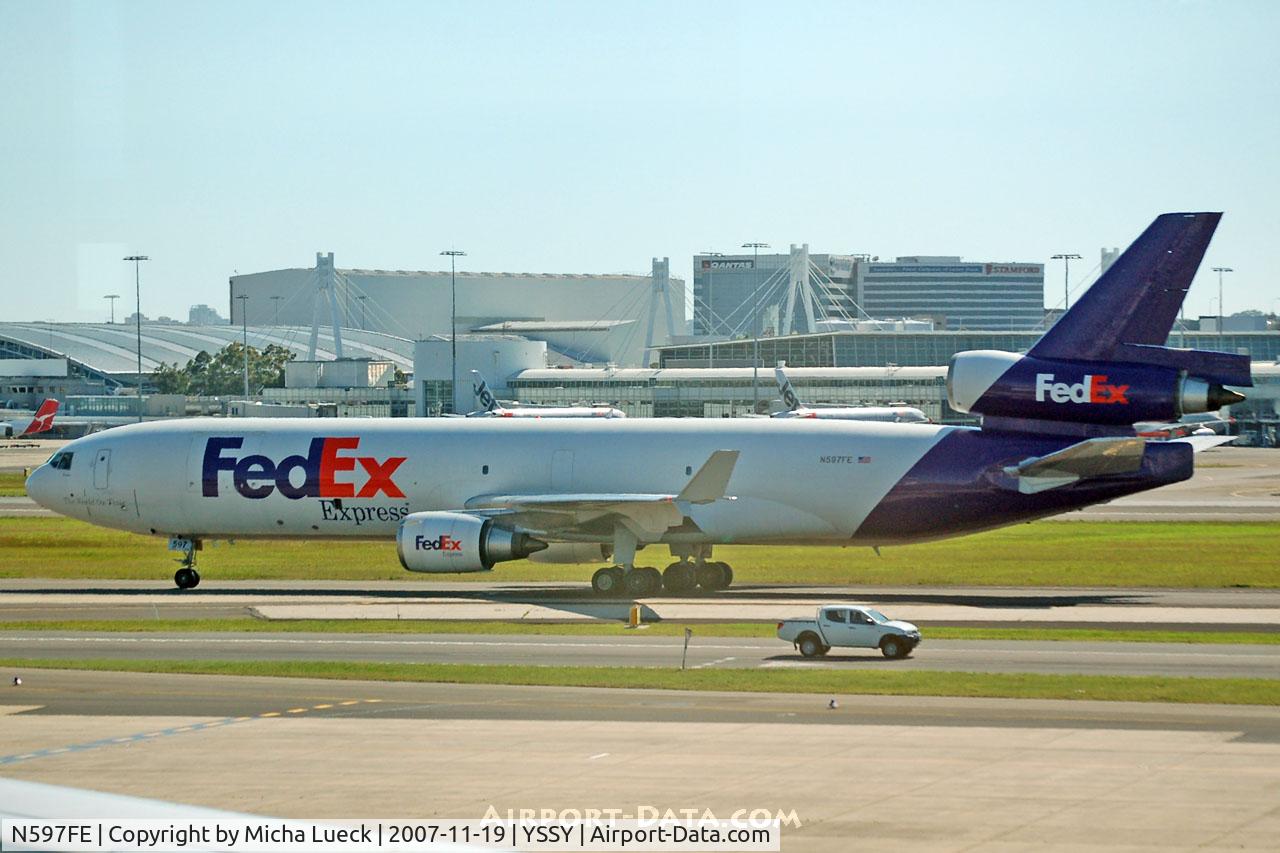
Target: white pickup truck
850, 626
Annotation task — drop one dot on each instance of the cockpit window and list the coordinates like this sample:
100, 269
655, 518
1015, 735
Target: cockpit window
61, 461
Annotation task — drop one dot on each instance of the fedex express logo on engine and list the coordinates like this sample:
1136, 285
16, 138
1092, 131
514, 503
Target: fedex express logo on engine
328, 471
1092, 389
440, 543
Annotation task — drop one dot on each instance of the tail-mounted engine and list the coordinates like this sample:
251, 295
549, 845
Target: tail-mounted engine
1007, 385
458, 542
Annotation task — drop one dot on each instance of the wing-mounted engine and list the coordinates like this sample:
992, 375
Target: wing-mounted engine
1007, 385
459, 542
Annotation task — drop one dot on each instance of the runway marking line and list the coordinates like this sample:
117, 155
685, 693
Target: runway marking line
175, 730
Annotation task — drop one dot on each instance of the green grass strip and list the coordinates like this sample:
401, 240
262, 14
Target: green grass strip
12, 484
759, 630
1226, 691
1049, 553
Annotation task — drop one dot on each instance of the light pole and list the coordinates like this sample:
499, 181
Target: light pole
1066, 284
276, 305
244, 326
137, 315
1221, 312
755, 325
112, 297
453, 255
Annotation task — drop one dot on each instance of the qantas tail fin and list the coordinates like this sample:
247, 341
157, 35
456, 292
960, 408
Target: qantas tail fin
1127, 315
789, 398
43, 421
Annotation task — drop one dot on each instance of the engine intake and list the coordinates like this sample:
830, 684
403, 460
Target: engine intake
1008, 385
455, 542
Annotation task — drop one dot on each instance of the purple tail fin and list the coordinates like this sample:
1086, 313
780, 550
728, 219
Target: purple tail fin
1128, 313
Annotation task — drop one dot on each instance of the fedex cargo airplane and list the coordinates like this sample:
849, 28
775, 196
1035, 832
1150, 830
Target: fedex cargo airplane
462, 495
491, 408
42, 422
796, 409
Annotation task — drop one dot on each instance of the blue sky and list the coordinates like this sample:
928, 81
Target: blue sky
588, 137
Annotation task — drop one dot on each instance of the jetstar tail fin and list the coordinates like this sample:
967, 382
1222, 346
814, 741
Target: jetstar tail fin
789, 398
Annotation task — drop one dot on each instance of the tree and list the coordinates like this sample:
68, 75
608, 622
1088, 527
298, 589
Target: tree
222, 373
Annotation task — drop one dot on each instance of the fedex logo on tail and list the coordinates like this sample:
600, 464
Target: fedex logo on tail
328, 470
1092, 389
440, 543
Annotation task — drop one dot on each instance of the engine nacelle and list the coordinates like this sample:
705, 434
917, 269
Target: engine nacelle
458, 542
572, 552
1004, 384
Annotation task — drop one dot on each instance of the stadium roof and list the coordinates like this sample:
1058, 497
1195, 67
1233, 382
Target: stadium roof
110, 351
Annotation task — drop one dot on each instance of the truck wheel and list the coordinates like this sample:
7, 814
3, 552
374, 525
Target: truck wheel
891, 647
810, 645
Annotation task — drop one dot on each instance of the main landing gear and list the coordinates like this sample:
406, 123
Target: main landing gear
186, 577
693, 570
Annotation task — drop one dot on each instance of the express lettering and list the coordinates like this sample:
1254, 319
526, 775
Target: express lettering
324, 469
1092, 389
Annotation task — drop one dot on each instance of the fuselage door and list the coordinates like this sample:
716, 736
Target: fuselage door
101, 468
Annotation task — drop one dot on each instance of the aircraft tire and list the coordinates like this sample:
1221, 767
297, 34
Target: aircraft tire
186, 578
708, 575
714, 577
727, 571
607, 581
642, 582
679, 578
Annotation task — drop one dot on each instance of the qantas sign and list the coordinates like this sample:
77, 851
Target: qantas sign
327, 472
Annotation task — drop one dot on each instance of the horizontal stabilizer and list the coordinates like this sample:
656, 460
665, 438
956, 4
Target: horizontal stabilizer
1096, 457
1205, 442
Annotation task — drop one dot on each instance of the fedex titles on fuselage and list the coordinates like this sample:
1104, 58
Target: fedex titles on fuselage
327, 471
1092, 389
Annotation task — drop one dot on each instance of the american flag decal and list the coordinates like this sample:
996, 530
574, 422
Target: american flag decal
863, 460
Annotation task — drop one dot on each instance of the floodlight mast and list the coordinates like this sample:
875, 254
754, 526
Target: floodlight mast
453, 255
137, 316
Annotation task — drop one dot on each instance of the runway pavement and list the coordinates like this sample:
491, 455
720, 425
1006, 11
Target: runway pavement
931, 773
1162, 659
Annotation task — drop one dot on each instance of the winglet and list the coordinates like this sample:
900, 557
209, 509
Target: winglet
712, 479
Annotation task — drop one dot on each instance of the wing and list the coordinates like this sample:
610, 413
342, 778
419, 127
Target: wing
597, 513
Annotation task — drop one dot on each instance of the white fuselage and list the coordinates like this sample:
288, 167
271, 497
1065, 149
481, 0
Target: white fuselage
887, 414
793, 482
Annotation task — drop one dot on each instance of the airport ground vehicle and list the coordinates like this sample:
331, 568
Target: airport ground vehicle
850, 626
463, 494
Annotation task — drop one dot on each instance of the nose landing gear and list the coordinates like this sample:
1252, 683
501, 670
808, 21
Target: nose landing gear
186, 577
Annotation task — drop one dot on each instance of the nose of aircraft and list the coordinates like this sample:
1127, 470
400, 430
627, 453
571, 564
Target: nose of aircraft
39, 488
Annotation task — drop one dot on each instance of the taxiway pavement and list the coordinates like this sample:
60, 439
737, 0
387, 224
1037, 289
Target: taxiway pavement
933, 773
1083, 658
